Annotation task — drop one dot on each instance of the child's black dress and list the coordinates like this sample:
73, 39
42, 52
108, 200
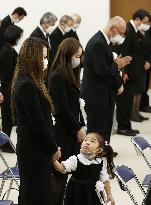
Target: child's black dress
81, 186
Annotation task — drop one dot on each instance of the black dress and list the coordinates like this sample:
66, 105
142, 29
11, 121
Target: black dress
8, 60
81, 186
68, 116
35, 144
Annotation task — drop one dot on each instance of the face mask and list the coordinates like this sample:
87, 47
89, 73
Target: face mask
16, 20
88, 155
67, 29
45, 62
118, 39
76, 25
75, 62
50, 29
143, 27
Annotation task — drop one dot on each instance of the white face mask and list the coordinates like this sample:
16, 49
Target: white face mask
67, 29
118, 39
16, 20
50, 29
75, 62
45, 63
76, 26
143, 27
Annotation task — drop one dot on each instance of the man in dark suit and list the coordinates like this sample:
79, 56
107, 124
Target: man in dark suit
43, 31
73, 32
17, 15
101, 79
132, 75
58, 35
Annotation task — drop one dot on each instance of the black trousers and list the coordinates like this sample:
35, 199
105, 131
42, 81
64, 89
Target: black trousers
100, 119
6, 113
145, 96
124, 104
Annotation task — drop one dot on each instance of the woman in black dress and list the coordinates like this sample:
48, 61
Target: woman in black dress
64, 82
89, 178
36, 145
8, 60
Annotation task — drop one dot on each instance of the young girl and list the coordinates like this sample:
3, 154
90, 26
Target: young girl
89, 172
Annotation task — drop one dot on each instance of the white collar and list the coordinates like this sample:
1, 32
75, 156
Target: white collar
11, 18
61, 30
85, 161
74, 29
106, 37
44, 32
133, 24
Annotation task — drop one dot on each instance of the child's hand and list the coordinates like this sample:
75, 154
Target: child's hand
110, 198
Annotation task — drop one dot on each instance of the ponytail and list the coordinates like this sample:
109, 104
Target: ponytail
108, 153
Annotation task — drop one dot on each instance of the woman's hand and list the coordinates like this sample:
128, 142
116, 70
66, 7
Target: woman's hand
57, 155
81, 134
1, 97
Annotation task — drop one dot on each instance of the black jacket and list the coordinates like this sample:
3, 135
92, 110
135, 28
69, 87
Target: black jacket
33, 117
56, 38
4, 25
37, 33
72, 34
135, 70
101, 77
8, 60
67, 113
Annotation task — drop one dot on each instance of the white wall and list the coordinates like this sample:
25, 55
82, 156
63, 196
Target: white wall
94, 13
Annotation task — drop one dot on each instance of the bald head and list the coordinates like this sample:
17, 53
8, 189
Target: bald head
117, 22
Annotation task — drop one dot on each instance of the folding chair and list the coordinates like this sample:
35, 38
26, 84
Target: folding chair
140, 145
6, 202
124, 174
11, 173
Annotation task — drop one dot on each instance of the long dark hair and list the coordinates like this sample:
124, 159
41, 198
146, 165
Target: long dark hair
107, 152
62, 61
30, 63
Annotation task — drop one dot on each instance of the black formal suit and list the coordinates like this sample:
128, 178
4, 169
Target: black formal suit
67, 111
4, 25
135, 71
8, 60
101, 80
56, 38
72, 34
37, 33
35, 143
146, 52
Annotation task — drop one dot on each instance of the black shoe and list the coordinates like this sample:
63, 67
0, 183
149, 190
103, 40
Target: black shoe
7, 148
135, 131
146, 109
136, 119
126, 132
115, 154
143, 118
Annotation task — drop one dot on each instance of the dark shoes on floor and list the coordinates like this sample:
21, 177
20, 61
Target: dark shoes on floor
146, 109
138, 118
7, 148
130, 132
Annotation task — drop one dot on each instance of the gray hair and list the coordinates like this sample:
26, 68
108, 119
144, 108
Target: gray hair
48, 17
116, 21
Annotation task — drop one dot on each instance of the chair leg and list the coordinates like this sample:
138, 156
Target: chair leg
2, 186
10, 186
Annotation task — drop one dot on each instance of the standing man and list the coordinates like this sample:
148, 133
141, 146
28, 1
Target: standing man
101, 78
132, 74
17, 15
73, 32
43, 31
58, 35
